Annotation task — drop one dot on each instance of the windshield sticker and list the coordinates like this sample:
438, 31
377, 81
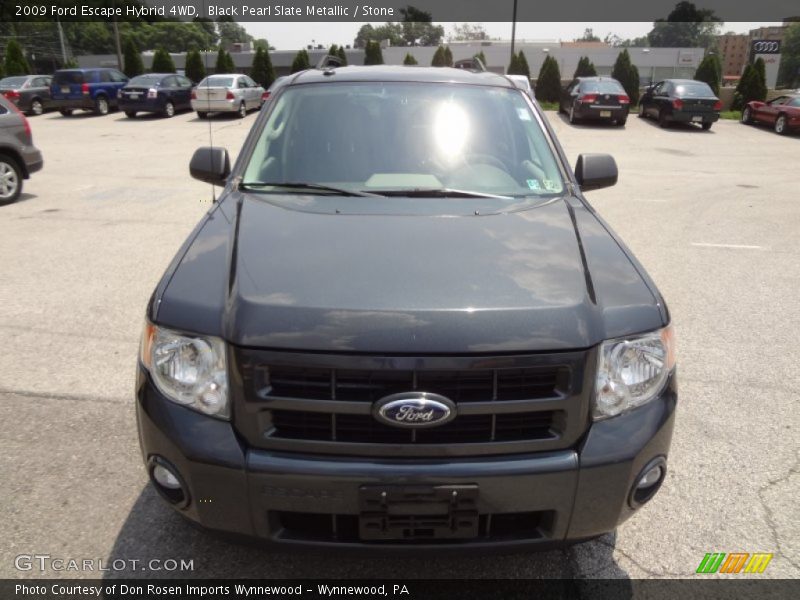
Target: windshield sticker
523, 114
550, 185
533, 184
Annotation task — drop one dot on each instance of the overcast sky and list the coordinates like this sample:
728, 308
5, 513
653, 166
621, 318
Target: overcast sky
293, 36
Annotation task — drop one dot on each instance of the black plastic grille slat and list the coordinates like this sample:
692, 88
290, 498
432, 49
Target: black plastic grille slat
368, 386
290, 424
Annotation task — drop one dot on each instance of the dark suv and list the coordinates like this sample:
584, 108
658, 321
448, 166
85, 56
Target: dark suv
403, 327
87, 89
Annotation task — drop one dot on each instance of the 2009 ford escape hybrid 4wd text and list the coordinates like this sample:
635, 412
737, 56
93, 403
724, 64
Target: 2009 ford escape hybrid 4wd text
403, 327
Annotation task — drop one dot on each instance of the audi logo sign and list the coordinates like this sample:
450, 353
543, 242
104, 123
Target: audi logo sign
766, 47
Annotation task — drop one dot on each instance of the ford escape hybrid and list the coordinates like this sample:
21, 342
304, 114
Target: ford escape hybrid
402, 326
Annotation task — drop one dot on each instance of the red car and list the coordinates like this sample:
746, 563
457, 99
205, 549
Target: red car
783, 113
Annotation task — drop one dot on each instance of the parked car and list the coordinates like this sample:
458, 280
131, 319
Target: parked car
31, 93
279, 81
86, 89
163, 93
783, 113
226, 93
522, 82
18, 156
329, 362
595, 98
681, 101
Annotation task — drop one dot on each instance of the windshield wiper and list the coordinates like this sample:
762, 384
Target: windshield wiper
439, 193
297, 185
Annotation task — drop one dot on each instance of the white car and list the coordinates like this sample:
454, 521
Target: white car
226, 92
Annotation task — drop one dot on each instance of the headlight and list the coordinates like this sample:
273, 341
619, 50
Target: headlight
632, 371
189, 370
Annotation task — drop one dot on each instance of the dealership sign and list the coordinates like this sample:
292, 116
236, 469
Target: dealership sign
766, 47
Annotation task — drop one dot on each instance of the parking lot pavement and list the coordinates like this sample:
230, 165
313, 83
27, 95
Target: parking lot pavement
713, 216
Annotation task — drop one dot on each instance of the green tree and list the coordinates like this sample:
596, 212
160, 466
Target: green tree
524, 69
162, 62
262, 70
448, 56
231, 32
588, 36
409, 59
585, 68
628, 75
708, 71
751, 87
132, 59
548, 85
438, 59
224, 62
300, 62
373, 54
760, 81
342, 55
789, 70
418, 28
195, 69
333, 51
685, 27
2, 71
15, 60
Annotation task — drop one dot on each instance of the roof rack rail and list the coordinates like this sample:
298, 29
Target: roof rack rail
329, 61
473, 64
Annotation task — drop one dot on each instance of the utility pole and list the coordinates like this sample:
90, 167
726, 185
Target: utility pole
513, 29
61, 39
119, 46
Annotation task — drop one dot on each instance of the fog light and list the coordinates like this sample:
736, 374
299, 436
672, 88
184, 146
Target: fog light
648, 482
163, 476
168, 482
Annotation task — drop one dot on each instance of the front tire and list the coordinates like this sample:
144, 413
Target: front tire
780, 125
747, 116
36, 107
242, 110
10, 180
169, 110
101, 105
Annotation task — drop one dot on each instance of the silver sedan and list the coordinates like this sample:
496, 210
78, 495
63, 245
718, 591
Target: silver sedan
226, 93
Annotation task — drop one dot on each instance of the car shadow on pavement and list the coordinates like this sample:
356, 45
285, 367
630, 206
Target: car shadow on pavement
153, 531
677, 127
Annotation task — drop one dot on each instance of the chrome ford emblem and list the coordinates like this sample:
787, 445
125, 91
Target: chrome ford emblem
414, 409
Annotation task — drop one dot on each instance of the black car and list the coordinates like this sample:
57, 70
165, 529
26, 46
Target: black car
163, 93
402, 326
680, 101
31, 93
595, 98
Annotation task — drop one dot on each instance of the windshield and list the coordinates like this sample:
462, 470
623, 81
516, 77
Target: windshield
13, 83
602, 87
693, 89
146, 80
216, 82
390, 137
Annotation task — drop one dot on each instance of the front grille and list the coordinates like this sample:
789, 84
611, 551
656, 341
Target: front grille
343, 528
468, 429
323, 404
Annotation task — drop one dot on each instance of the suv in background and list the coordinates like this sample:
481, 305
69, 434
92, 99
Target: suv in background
87, 89
402, 326
18, 156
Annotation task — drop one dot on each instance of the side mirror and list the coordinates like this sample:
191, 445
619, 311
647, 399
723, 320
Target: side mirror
211, 165
595, 171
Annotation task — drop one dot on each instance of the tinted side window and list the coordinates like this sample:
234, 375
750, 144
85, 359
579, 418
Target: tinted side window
118, 77
184, 81
169, 82
105, 76
250, 82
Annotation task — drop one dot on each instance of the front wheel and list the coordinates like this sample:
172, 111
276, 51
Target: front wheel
101, 105
242, 110
36, 107
10, 180
780, 125
169, 110
747, 116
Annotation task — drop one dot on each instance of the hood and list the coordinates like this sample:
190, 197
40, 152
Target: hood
318, 280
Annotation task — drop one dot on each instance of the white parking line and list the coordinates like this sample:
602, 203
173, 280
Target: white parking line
736, 246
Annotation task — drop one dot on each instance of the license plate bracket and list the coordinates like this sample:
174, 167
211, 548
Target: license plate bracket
697, 119
605, 113
418, 512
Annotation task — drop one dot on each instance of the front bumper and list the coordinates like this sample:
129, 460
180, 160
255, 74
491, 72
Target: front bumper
566, 496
